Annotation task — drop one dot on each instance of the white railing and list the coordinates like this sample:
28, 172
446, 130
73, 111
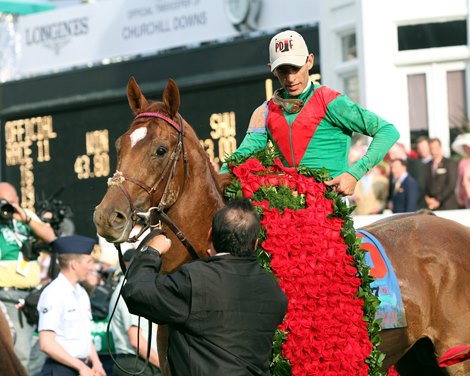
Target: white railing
461, 216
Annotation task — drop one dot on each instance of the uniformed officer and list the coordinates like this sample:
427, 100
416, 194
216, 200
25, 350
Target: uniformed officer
65, 313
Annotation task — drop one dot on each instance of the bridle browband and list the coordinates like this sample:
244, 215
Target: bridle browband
156, 215
179, 127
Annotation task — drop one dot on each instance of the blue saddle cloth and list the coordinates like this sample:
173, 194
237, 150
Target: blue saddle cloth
385, 286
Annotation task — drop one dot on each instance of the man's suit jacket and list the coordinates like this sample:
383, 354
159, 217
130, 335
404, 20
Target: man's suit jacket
222, 312
405, 196
441, 183
415, 169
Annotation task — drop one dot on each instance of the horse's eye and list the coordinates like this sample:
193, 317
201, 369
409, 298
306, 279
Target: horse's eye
161, 151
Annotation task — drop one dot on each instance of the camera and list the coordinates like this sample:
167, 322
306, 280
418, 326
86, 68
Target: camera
56, 213
30, 249
6, 210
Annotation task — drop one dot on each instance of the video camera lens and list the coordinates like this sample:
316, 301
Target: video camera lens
6, 210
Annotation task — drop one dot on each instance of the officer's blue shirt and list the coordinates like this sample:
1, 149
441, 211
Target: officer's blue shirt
65, 309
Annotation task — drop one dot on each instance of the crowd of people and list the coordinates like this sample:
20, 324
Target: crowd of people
309, 125
420, 178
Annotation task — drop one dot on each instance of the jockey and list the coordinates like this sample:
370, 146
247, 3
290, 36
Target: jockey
311, 124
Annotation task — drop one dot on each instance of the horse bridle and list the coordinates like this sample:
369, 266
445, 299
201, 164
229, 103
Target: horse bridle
156, 215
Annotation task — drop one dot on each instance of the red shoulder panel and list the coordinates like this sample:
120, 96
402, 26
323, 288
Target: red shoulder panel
304, 126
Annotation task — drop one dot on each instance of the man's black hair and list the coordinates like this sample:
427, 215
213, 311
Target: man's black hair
403, 162
235, 228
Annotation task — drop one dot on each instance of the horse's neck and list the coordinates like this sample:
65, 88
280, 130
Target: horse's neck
195, 206
199, 200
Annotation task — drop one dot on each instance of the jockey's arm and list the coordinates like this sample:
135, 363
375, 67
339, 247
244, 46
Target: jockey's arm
256, 137
350, 116
251, 143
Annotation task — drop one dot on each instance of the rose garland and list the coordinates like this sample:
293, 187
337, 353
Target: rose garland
308, 242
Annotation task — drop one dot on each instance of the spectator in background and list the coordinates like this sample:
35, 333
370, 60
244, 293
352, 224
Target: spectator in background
461, 146
414, 168
54, 215
19, 268
371, 193
130, 335
423, 149
65, 313
100, 285
405, 190
441, 180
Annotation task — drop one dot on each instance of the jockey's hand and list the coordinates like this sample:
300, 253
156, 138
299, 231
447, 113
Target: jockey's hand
344, 184
161, 243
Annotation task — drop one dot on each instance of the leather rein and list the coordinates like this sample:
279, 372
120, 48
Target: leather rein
156, 215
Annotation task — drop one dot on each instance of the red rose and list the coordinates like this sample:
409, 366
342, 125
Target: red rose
254, 165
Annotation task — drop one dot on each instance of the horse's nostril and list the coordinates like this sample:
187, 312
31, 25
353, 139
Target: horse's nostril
118, 217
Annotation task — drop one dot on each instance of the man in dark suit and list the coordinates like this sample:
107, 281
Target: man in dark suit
441, 179
405, 190
423, 149
414, 168
222, 311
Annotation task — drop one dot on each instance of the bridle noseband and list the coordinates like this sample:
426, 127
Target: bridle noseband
155, 215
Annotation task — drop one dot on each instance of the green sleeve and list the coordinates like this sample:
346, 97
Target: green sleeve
349, 115
251, 143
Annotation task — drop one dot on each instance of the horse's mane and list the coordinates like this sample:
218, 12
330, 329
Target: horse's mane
205, 156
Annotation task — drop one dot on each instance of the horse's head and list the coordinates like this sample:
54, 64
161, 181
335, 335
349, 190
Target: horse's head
150, 166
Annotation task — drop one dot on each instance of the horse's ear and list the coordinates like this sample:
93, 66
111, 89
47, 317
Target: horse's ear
171, 97
136, 99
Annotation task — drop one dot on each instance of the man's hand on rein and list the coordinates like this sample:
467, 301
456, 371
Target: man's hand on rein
161, 243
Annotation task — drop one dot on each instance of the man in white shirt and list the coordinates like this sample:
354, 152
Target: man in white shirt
65, 313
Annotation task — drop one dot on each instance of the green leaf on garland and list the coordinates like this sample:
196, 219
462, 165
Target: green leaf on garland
279, 365
279, 197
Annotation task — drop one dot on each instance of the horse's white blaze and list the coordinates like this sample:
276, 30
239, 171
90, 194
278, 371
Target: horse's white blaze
138, 135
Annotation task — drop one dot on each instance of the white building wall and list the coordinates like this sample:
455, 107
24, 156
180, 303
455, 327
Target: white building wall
337, 17
381, 68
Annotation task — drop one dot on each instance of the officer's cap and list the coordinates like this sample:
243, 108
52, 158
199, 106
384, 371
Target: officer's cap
75, 244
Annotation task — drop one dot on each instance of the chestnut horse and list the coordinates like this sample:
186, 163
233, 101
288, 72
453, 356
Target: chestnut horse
145, 153
430, 254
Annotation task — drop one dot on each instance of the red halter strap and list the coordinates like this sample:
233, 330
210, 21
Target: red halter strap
158, 115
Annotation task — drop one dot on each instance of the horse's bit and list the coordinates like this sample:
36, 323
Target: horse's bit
156, 215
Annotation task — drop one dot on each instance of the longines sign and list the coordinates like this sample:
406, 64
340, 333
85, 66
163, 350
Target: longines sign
114, 29
57, 35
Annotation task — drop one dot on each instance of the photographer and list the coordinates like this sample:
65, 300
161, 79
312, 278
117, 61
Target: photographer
19, 269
